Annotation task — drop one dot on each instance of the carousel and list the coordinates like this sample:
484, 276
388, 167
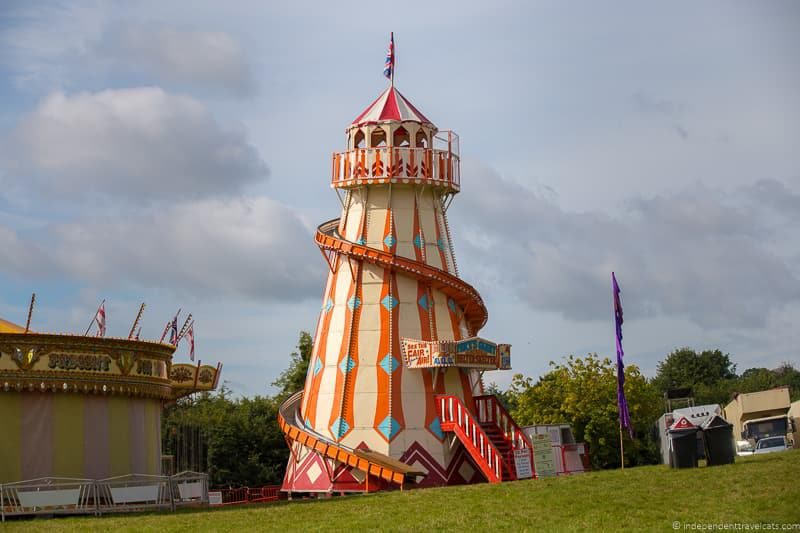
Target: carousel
88, 407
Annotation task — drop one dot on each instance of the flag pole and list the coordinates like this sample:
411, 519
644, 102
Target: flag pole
166, 328
94, 317
136, 322
30, 313
394, 57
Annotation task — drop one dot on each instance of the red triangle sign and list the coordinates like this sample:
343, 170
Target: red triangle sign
683, 423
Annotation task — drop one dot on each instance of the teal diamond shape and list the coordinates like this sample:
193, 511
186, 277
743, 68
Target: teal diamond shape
339, 428
423, 302
328, 305
390, 241
317, 366
308, 423
389, 302
436, 428
354, 303
418, 240
389, 364
452, 305
389, 427
361, 240
347, 364
440, 243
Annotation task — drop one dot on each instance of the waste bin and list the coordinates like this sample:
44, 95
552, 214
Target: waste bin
720, 446
683, 448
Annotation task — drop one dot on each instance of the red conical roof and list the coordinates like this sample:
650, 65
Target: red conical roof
390, 105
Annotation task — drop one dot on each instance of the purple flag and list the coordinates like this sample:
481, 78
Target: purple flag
622, 403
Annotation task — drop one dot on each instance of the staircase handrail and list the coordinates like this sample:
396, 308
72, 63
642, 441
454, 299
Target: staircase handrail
490, 409
455, 417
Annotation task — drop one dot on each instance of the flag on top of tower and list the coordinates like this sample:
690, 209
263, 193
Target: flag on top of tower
388, 67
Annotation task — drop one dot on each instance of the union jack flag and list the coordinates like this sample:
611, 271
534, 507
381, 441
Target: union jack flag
388, 68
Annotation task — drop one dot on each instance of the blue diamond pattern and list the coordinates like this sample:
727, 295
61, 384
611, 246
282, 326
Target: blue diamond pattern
440, 243
317, 366
389, 427
423, 302
339, 428
347, 364
354, 303
389, 364
389, 302
308, 423
389, 241
452, 305
418, 240
328, 305
436, 428
361, 240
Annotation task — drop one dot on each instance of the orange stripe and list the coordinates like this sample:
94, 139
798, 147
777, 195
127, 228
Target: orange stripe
397, 377
382, 407
311, 394
337, 409
439, 238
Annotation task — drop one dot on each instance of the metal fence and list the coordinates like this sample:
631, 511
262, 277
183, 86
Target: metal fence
133, 492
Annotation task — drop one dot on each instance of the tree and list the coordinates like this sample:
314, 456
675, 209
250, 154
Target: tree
710, 373
293, 378
583, 393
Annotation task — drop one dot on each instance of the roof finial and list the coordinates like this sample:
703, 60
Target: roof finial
388, 67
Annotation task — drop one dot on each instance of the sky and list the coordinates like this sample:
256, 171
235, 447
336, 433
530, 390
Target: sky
178, 153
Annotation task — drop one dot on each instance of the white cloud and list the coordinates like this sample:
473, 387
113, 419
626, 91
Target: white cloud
699, 253
245, 249
193, 58
137, 145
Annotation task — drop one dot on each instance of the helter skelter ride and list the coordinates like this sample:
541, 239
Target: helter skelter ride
394, 390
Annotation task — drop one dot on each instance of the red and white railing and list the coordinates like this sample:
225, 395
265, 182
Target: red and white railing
456, 418
489, 409
396, 165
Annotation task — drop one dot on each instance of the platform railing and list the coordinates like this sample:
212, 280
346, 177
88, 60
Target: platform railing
48, 495
403, 164
456, 418
189, 488
134, 492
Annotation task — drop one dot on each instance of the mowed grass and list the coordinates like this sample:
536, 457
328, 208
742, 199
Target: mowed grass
762, 489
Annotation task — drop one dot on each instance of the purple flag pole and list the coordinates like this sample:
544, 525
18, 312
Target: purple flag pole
622, 403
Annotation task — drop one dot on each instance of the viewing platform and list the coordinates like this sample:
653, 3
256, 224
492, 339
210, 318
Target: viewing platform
439, 166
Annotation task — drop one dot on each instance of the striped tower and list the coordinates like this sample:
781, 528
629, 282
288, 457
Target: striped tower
393, 310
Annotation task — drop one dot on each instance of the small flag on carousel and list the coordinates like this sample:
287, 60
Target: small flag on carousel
100, 318
173, 332
388, 68
190, 339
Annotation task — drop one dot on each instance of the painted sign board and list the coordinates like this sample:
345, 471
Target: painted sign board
543, 456
522, 462
214, 497
473, 352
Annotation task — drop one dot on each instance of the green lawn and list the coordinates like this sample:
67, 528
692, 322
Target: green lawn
763, 489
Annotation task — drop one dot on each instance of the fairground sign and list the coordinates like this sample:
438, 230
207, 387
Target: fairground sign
474, 352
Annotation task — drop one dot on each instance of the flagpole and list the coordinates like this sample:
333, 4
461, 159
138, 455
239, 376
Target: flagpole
30, 313
169, 323
94, 317
136, 322
394, 57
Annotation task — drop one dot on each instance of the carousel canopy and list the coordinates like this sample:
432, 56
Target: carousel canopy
9, 327
390, 105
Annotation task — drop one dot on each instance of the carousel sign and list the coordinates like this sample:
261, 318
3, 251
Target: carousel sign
474, 352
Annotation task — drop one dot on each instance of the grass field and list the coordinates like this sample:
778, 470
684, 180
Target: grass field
763, 490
